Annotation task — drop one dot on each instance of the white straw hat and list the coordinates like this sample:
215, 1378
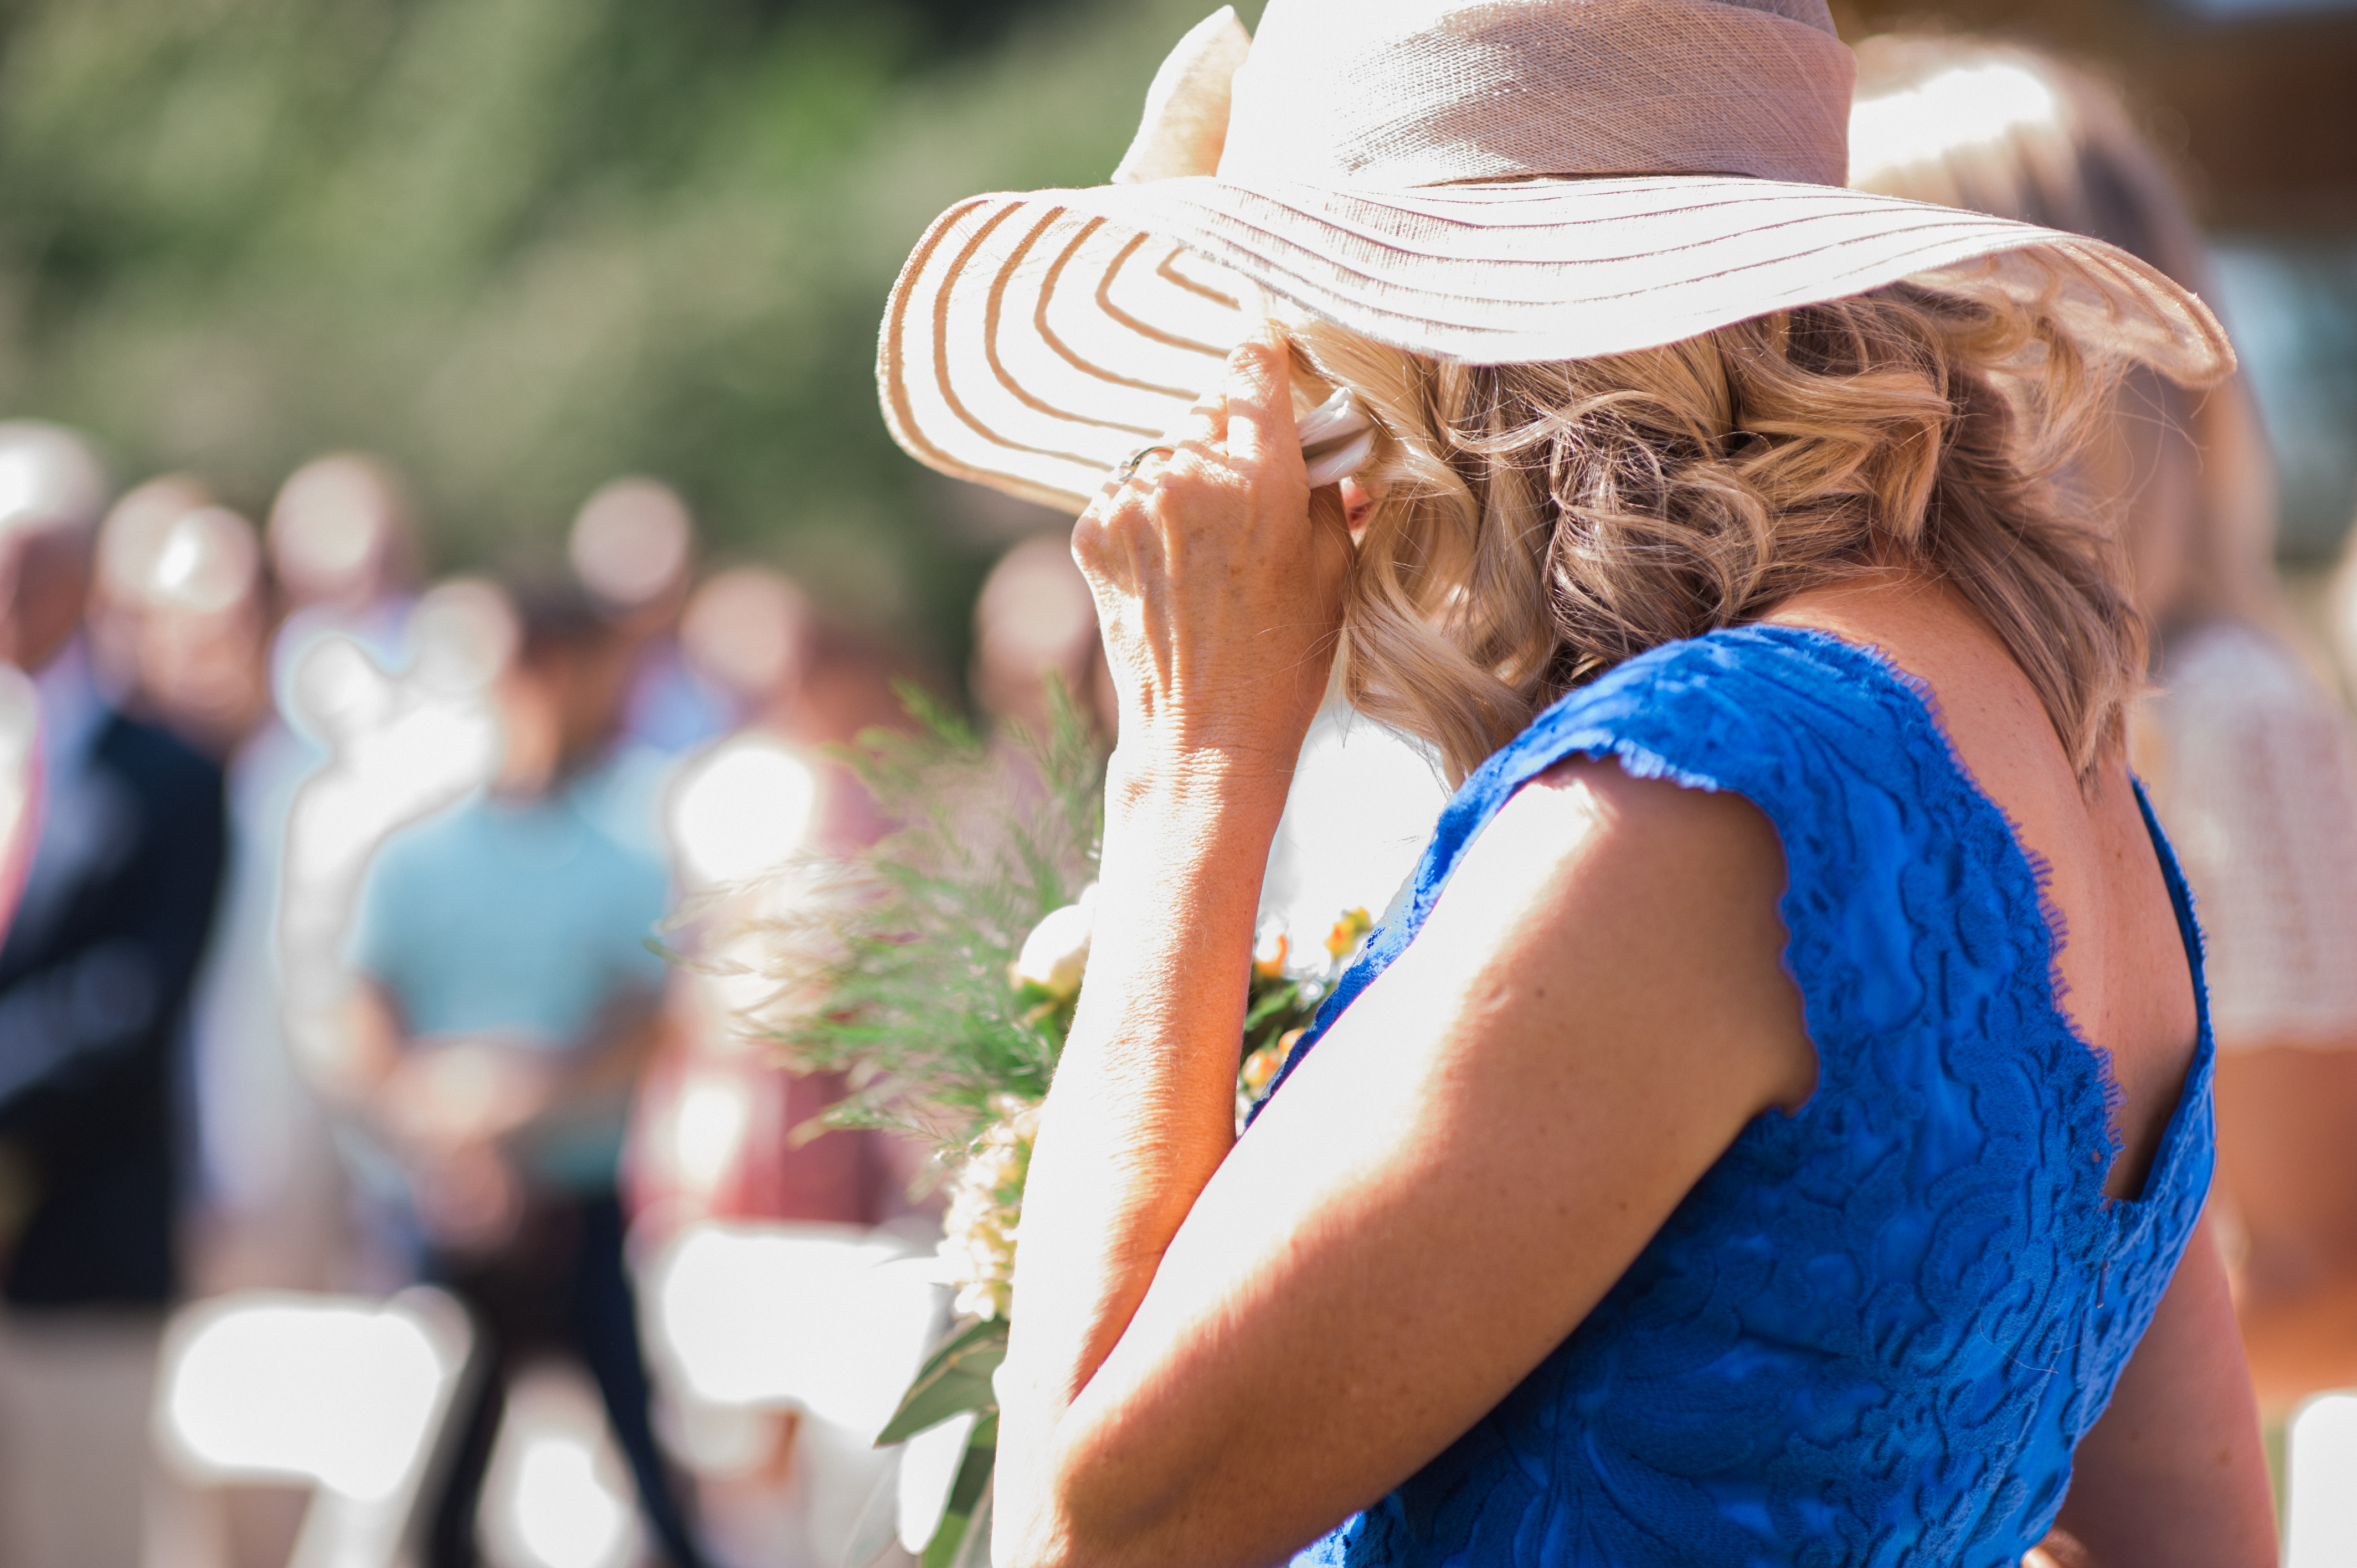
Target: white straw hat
1491, 181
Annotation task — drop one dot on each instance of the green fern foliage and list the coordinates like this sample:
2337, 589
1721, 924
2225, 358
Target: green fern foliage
898, 976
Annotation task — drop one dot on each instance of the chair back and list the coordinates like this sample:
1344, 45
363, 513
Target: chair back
2320, 1483
833, 1320
347, 1397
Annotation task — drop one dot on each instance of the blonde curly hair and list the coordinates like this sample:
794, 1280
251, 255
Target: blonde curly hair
1538, 523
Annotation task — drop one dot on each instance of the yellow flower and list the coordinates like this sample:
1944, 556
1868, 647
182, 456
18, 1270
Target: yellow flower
1347, 932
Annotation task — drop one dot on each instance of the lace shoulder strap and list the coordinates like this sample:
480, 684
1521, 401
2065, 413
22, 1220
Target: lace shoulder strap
1887, 842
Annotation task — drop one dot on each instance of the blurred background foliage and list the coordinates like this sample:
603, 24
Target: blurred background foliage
520, 246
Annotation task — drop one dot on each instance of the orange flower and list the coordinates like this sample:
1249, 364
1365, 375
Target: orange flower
1347, 932
1268, 957
1261, 1067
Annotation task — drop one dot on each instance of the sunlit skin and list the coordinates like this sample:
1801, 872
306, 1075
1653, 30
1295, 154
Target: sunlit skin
1222, 1349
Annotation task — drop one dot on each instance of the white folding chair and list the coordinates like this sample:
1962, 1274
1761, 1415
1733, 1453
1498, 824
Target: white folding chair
2320, 1483
557, 1493
348, 1397
830, 1321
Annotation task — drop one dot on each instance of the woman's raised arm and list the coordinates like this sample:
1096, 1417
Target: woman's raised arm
1461, 1170
1481, 1146
1220, 593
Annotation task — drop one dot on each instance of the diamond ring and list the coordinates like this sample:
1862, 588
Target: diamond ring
1128, 469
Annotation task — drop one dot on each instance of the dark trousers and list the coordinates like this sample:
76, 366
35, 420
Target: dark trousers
560, 1286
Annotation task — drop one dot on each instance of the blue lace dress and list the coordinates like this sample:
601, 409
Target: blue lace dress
1875, 1329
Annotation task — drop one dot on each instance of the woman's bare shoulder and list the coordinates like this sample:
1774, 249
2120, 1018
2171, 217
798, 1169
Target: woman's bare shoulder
1594, 808
1662, 898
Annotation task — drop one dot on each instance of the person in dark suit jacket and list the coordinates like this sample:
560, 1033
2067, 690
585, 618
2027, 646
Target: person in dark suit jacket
96, 968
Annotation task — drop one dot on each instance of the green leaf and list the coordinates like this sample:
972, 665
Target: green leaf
942, 1550
973, 1473
954, 1378
975, 1550
1280, 999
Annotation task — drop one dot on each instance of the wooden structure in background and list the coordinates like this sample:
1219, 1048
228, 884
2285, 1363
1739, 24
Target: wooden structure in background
2261, 113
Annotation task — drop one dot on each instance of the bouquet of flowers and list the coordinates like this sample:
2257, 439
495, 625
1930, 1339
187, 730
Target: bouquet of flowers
939, 971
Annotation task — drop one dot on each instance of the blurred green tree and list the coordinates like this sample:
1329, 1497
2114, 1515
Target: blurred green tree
520, 246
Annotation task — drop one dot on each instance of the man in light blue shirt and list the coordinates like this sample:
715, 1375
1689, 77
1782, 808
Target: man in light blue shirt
505, 1002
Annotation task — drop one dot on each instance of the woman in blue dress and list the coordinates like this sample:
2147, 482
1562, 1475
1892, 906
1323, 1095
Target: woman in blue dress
1772, 1126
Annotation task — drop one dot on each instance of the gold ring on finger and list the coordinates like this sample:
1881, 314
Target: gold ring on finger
1129, 464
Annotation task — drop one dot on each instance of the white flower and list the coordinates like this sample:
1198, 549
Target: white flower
1056, 953
985, 1203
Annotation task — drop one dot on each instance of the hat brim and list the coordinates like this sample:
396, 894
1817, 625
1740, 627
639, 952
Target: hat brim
1033, 340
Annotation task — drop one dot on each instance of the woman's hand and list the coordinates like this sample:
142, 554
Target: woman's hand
449, 1094
1219, 583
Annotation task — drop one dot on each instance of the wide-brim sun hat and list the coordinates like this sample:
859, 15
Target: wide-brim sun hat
1486, 182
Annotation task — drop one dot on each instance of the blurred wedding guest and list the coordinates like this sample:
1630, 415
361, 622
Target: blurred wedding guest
203, 639
2249, 759
506, 1003
20, 784
342, 542
748, 633
788, 677
178, 618
130, 547
1035, 620
632, 548
713, 1138
94, 979
854, 682
786, 673
399, 740
339, 544
720, 1136
43, 473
